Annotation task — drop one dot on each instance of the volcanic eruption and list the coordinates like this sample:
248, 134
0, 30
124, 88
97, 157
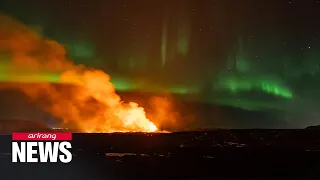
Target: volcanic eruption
91, 105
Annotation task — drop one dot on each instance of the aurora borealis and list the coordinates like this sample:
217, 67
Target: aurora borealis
249, 54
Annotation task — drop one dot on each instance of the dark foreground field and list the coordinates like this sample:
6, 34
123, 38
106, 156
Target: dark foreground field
220, 154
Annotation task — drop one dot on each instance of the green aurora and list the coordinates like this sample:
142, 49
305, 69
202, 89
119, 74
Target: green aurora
235, 84
230, 86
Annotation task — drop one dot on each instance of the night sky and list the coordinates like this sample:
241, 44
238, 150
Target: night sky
248, 50
117, 32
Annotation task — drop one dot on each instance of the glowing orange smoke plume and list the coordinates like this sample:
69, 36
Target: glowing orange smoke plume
91, 106
163, 112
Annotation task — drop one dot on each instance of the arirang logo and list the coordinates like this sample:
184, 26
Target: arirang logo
41, 147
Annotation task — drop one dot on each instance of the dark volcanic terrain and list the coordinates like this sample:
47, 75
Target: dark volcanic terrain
220, 154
